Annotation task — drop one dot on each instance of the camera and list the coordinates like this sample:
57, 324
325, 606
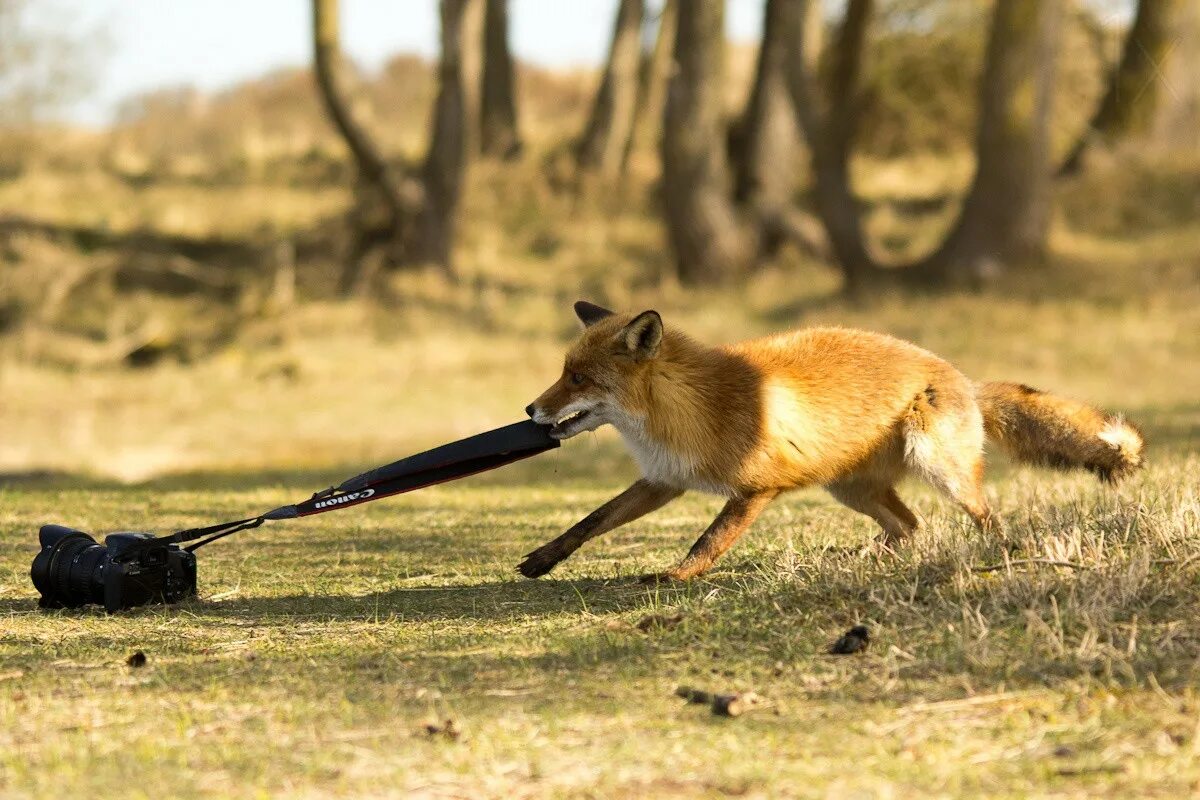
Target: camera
130, 569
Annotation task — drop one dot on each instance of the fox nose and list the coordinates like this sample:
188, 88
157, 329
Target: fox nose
529, 410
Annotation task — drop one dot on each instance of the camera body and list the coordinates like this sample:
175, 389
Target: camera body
160, 573
130, 569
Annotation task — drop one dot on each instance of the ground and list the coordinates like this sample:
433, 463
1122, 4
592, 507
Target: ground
1056, 659
321, 649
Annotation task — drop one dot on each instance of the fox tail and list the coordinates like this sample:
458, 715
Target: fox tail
1043, 429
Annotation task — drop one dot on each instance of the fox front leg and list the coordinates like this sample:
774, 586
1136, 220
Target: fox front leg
726, 529
638, 500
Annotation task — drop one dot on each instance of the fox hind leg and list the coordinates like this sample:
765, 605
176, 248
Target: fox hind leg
903, 512
880, 502
972, 499
947, 452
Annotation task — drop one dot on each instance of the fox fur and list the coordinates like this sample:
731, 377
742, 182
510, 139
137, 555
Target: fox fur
849, 410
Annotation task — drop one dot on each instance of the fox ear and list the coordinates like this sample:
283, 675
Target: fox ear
590, 313
643, 336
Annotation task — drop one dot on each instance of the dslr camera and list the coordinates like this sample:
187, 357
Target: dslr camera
130, 569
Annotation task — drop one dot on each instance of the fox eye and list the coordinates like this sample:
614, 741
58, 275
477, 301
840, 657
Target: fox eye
577, 378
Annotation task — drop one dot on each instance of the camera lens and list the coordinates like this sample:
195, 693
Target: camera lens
69, 569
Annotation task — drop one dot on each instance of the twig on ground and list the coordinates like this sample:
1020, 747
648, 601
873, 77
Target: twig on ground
1024, 562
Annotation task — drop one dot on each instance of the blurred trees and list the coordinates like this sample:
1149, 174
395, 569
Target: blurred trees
1135, 85
829, 117
765, 142
652, 83
1178, 124
1005, 215
45, 63
442, 173
722, 222
606, 140
409, 218
731, 192
710, 241
741, 172
498, 134
472, 71
332, 79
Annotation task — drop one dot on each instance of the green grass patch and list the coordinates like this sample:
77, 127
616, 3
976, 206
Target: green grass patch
320, 649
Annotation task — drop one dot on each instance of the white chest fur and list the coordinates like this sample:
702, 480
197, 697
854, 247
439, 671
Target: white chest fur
661, 463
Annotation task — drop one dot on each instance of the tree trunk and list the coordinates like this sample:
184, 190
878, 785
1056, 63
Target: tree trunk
444, 163
829, 124
767, 138
332, 82
497, 115
419, 225
605, 141
652, 90
709, 242
1135, 86
1005, 217
472, 71
1177, 123
812, 32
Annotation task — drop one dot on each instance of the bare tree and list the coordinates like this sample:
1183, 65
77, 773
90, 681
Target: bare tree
333, 82
766, 140
1135, 85
830, 120
418, 222
498, 111
442, 174
710, 242
472, 71
605, 141
1177, 125
652, 88
1006, 212
46, 61
812, 32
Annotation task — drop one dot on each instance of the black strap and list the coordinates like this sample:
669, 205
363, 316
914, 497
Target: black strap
459, 459
245, 525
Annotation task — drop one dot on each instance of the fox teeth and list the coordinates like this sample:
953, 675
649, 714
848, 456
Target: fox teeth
569, 417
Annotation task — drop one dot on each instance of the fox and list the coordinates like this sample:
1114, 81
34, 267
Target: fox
849, 410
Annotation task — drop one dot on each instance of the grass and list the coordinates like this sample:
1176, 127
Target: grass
1058, 660
321, 648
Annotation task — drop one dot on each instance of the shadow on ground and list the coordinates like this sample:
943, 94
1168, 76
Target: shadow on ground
484, 602
494, 601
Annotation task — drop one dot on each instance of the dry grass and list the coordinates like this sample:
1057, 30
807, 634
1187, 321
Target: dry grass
1058, 660
322, 648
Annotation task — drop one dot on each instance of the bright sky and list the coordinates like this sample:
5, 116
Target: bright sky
214, 43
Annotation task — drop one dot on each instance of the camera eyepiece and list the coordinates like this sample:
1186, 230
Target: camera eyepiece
130, 569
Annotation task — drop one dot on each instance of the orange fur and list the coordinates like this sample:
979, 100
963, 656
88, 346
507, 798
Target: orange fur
849, 410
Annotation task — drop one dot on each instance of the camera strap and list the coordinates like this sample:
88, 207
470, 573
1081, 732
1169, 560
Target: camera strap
470, 456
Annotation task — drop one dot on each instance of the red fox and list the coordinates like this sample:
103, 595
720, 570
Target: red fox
848, 410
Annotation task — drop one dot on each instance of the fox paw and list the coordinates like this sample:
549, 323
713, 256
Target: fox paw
655, 578
538, 563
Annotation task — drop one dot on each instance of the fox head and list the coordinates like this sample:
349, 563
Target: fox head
604, 372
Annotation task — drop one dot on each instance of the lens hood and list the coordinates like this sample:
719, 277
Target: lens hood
52, 565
